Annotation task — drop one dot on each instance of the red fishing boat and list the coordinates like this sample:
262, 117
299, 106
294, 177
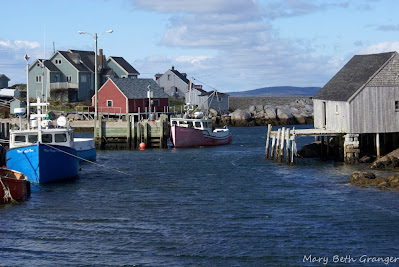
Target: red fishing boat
197, 132
14, 186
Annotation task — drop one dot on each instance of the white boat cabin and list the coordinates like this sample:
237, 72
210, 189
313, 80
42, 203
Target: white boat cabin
23, 138
199, 124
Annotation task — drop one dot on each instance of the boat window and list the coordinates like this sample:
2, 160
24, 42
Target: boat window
47, 138
32, 138
60, 138
190, 124
197, 124
20, 139
174, 122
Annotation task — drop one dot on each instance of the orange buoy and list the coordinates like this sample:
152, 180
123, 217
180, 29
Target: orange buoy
142, 146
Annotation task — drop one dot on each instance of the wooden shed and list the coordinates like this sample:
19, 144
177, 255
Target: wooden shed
362, 100
130, 96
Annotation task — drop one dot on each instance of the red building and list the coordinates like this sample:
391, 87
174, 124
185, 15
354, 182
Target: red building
130, 96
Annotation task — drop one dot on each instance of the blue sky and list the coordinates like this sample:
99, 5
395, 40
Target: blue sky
231, 45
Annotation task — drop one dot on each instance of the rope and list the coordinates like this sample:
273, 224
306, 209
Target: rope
113, 169
7, 193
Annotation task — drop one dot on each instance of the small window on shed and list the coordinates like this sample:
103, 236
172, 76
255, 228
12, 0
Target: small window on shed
396, 105
155, 102
109, 103
336, 109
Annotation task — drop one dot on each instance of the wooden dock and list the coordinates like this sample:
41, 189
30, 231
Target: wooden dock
281, 144
130, 133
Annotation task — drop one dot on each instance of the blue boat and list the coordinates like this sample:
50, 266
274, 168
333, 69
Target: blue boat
43, 153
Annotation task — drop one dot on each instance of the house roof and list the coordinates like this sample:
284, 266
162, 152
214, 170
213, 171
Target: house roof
137, 88
87, 57
356, 73
71, 59
49, 65
125, 65
4, 76
181, 76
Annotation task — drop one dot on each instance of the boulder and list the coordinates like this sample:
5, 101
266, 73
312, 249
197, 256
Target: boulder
389, 161
284, 113
239, 114
270, 113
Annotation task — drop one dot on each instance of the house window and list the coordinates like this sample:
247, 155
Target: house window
123, 76
58, 62
83, 78
39, 79
396, 105
109, 103
336, 109
168, 77
155, 102
219, 99
69, 78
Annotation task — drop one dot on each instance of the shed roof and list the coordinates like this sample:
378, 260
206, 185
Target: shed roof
356, 73
4, 76
125, 65
137, 88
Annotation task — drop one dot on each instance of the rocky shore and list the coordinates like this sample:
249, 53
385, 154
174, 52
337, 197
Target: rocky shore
297, 111
368, 179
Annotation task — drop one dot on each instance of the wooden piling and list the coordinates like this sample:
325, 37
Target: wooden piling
377, 144
272, 148
282, 142
292, 150
278, 145
269, 130
287, 147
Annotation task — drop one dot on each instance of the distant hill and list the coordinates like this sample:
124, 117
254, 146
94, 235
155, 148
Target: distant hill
277, 91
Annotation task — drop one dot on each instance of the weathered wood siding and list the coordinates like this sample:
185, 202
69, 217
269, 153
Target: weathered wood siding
337, 118
373, 110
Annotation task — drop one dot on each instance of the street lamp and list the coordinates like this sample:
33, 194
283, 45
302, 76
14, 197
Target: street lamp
95, 36
26, 57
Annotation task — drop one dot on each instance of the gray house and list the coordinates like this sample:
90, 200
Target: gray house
4, 81
362, 100
174, 83
206, 100
122, 68
69, 75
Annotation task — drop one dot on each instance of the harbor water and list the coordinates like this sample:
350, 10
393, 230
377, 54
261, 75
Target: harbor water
211, 206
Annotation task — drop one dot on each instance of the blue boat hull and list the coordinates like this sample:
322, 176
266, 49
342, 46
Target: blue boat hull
89, 154
44, 164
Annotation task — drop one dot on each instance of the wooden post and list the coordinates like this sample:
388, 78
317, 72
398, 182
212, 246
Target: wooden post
327, 147
287, 147
129, 132
269, 129
281, 152
377, 144
272, 149
293, 149
322, 148
278, 145
145, 133
134, 133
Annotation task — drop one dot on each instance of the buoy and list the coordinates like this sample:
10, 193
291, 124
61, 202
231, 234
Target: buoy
142, 146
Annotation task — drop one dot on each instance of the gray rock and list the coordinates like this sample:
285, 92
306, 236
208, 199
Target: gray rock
284, 113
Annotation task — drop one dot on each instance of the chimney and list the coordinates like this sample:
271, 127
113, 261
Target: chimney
100, 59
173, 67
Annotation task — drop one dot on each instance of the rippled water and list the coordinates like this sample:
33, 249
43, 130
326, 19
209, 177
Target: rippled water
215, 206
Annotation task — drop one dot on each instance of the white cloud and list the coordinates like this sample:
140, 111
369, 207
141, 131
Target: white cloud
12, 62
380, 48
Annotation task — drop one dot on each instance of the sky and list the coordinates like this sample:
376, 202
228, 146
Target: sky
228, 45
